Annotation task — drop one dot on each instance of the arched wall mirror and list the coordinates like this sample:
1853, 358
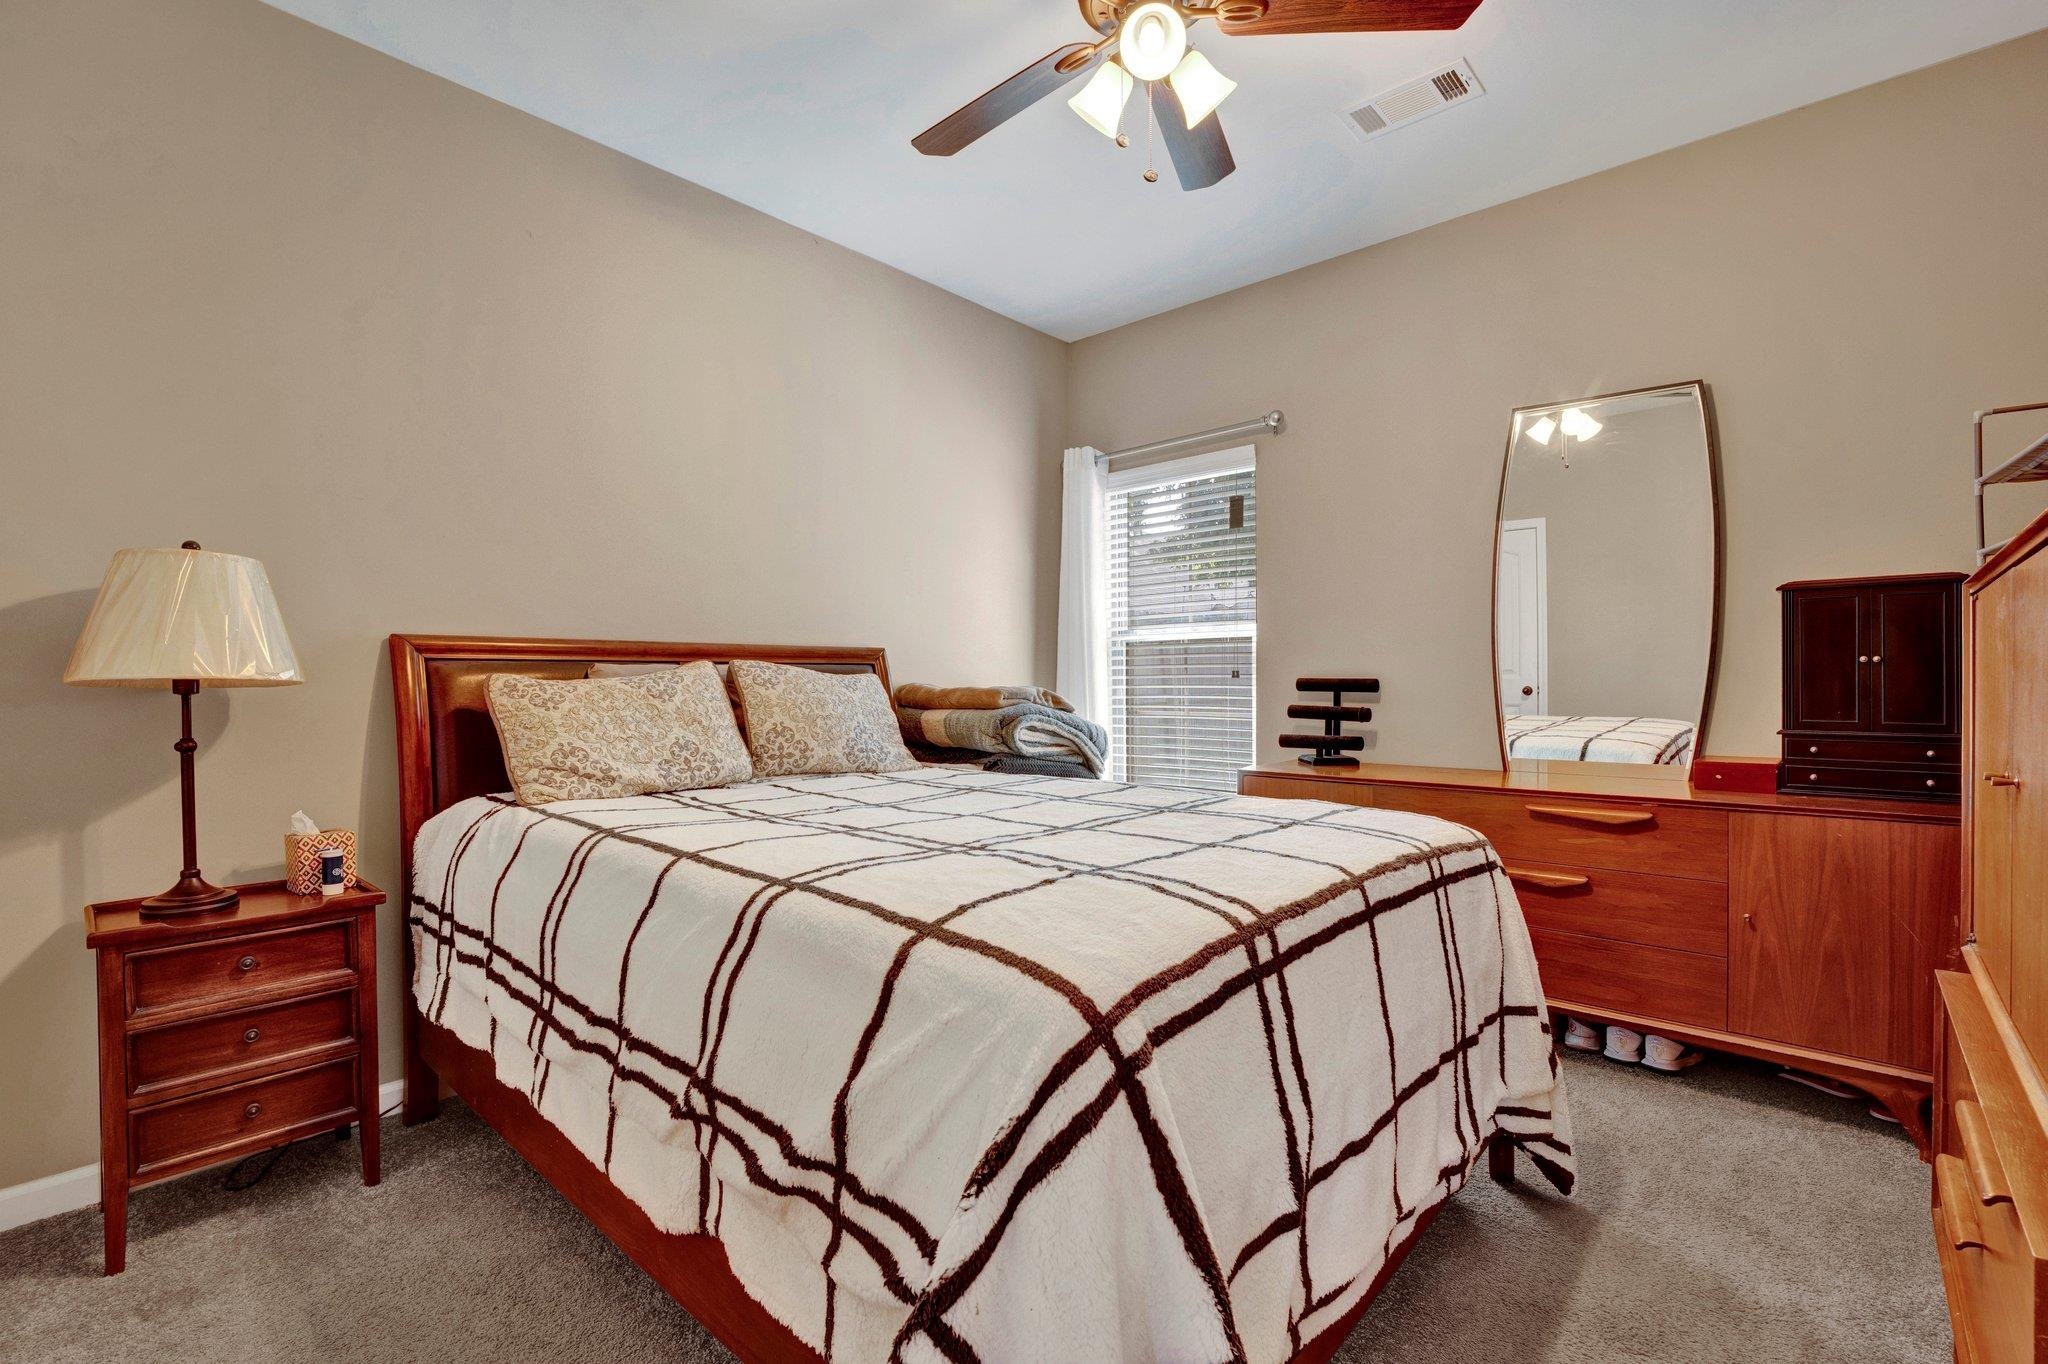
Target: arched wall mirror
1607, 577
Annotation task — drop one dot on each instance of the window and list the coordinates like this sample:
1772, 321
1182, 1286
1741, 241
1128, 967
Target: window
1182, 540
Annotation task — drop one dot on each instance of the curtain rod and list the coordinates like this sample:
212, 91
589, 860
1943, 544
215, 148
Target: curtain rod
1273, 423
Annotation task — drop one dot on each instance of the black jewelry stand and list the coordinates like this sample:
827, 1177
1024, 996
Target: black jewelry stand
1333, 743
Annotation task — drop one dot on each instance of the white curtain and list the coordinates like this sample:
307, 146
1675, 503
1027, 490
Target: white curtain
1083, 669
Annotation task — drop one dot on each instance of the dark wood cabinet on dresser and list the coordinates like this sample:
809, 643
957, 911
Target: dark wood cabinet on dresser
225, 1033
1799, 929
1873, 686
1990, 1199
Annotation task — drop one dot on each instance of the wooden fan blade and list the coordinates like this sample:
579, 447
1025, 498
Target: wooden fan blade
1199, 153
1003, 103
1354, 16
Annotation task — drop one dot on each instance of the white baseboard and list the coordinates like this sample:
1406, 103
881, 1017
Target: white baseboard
71, 1190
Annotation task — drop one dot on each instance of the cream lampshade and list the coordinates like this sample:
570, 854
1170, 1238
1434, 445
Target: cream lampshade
184, 618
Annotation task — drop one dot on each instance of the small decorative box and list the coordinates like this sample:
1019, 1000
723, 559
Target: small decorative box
302, 859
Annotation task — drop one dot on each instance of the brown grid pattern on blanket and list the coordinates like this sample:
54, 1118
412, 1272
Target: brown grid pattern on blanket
839, 847
1599, 738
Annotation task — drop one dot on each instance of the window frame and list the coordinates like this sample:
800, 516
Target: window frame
1224, 463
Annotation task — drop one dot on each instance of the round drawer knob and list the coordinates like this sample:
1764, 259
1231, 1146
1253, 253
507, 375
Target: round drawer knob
246, 964
252, 1110
1930, 752
1813, 748
1813, 776
1930, 781
252, 1035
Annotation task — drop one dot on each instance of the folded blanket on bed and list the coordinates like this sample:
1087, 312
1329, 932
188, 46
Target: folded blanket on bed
1026, 730
920, 697
1003, 762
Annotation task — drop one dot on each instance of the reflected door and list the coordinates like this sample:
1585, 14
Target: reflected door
1520, 598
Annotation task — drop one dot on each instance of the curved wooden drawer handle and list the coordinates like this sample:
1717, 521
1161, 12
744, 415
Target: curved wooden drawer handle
1595, 814
1552, 880
1987, 1172
1958, 1209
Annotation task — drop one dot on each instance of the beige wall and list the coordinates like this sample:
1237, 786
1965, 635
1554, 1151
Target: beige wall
442, 367
1853, 280
1629, 557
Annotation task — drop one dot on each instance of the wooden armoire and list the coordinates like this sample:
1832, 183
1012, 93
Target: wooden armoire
1991, 1100
1873, 686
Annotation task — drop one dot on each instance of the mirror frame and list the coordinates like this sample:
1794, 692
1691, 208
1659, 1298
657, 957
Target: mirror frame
1710, 433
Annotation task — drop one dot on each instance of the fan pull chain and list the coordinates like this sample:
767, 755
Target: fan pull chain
1151, 129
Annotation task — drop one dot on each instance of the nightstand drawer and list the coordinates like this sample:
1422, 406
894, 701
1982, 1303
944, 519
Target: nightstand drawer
221, 1123
220, 1044
227, 968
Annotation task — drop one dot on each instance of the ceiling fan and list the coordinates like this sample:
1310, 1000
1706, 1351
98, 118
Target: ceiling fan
1147, 41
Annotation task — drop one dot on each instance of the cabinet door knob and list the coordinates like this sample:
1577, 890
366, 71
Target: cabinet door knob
252, 1110
251, 1035
1863, 658
246, 964
2001, 779
1749, 920
1877, 658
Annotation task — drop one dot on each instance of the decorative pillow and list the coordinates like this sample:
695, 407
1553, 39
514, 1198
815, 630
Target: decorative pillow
800, 720
602, 738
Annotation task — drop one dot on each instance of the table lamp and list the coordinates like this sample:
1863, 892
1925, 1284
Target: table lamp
185, 618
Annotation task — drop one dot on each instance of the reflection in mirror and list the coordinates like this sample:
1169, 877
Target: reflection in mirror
1605, 590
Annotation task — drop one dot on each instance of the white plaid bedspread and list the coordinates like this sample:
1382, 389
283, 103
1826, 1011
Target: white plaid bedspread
967, 1066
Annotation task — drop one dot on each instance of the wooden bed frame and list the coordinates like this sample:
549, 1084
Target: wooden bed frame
447, 752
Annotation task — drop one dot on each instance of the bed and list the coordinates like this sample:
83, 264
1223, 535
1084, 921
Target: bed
1599, 738
955, 1065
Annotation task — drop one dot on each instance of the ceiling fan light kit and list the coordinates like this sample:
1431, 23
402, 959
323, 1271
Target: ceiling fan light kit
1151, 40
1146, 41
1101, 101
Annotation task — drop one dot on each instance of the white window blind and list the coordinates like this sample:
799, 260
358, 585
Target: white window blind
1183, 607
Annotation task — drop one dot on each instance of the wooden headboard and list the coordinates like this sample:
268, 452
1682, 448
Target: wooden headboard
448, 747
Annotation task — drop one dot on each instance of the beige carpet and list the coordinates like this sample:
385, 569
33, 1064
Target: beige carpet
1723, 1215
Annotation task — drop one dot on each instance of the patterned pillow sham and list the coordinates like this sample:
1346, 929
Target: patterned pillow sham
602, 738
802, 721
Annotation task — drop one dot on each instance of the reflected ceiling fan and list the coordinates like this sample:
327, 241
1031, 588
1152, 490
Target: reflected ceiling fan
1146, 41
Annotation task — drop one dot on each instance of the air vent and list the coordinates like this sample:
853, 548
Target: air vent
1417, 99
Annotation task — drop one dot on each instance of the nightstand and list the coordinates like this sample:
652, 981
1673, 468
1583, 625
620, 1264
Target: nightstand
230, 1032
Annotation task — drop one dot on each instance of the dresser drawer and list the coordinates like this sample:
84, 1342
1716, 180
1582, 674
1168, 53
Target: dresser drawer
1912, 752
1651, 982
1616, 835
1943, 783
1627, 906
227, 968
188, 1053
1987, 1267
187, 1133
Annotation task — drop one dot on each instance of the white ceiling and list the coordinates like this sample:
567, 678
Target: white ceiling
805, 109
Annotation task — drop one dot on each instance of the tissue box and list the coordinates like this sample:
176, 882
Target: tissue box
302, 859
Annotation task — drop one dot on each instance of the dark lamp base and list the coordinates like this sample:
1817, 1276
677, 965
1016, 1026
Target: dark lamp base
192, 895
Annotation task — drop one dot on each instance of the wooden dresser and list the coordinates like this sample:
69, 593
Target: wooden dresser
1873, 685
1991, 1111
229, 1032
1798, 929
